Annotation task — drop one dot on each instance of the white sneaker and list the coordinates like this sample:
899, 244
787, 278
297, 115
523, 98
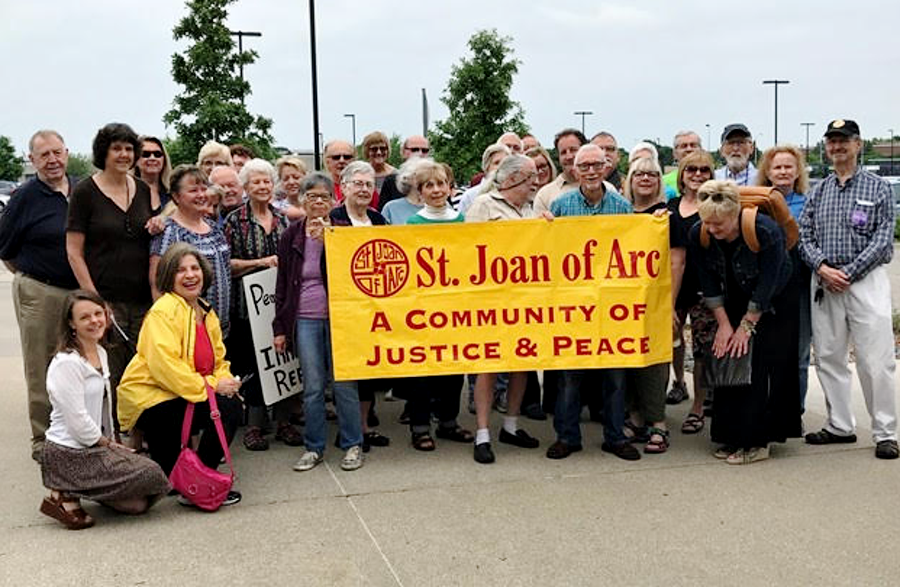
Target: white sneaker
309, 460
353, 459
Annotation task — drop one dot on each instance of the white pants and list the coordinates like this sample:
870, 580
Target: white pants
862, 314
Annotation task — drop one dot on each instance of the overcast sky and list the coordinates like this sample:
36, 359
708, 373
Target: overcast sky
645, 68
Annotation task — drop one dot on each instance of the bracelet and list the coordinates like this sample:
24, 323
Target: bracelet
748, 326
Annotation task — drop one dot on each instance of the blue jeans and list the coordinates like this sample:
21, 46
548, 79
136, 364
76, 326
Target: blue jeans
610, 383
313, 344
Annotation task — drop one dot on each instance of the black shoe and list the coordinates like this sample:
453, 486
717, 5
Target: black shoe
483, 453
534, 412
560, 450
677, 394
374, 438
825, 437
521, 439
887, 449
232, 498
623, 450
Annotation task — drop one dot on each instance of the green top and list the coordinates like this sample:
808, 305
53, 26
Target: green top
419, 219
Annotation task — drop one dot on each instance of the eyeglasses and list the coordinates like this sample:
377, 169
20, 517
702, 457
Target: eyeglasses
587, 166
642, 174
423, 150
378, 149
737, 142
149, 154
320, 196
345, 157
695, 169
360, 184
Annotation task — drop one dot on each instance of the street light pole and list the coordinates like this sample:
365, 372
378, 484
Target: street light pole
776, 83
891, 172
315, 85
240, 37
352, 118
582, 114
807, 125
708, 139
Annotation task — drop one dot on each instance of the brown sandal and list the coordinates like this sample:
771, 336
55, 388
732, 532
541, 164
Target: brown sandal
423, 441
76, 519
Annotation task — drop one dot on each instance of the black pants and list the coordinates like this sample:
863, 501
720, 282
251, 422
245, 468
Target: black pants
419, 392
162, 430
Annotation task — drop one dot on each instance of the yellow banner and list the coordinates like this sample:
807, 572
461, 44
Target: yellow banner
586, 292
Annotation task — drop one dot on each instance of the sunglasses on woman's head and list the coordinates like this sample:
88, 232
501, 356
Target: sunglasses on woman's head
716, 197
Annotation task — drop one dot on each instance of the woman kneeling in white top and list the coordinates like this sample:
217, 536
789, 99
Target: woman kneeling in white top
80, 458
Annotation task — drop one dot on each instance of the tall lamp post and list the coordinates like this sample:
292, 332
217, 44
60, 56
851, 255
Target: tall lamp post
708, 138
807, 125
891, 172
776, 83
315, 85
240, 37
352, 118
582, 114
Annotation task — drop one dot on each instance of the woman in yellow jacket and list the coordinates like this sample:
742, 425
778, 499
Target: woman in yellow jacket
179, 353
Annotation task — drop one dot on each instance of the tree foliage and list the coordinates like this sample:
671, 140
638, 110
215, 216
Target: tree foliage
478, 97
80, 165
11, 165
210, 106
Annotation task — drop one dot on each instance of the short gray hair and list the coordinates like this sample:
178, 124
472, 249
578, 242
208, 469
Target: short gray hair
406, 175
684, 133
354, 168
643, 146
255, 166
44, 133
510, 165
315, 179
489, 153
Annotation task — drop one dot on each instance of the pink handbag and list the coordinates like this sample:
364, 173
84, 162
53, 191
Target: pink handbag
204, 487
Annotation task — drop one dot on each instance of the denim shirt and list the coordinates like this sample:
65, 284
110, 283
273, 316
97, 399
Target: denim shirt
762, 275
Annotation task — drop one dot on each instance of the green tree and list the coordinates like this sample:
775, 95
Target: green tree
11, 165
80, 165
396, 158
210, 106
477, 95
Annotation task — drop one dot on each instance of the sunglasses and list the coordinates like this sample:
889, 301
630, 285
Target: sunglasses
378, 149
149, 154
423, 150
695, 169
716, 197
339, 157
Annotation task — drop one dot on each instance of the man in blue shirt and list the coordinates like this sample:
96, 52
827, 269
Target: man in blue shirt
591, 198
33, 246
846, 237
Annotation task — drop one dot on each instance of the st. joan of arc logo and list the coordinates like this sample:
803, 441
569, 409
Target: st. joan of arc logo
379, 268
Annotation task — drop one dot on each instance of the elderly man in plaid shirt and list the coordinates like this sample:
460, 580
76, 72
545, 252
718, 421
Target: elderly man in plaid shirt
846, 236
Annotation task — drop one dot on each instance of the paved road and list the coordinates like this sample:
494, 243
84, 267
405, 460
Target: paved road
809, 516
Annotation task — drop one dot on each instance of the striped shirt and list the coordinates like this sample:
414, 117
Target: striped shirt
850, 226
745, 177
574, 203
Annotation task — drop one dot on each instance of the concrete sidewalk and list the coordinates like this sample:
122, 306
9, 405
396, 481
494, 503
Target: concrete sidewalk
808, 516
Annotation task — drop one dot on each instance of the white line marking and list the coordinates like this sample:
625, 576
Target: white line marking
364, 525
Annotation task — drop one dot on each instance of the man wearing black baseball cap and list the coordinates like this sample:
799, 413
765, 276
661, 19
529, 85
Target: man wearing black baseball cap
737, 147
846, 237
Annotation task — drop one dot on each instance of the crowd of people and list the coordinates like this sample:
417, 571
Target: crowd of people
128, 296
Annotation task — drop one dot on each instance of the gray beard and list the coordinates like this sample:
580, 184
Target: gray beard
737, 164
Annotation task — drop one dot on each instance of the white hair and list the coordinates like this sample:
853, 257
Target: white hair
256, 166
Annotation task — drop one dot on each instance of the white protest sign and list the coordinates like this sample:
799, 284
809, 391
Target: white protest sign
279, 373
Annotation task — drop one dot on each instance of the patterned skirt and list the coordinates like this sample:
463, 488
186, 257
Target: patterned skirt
101, 473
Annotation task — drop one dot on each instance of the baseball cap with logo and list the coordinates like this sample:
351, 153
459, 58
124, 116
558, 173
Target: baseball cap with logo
842, 126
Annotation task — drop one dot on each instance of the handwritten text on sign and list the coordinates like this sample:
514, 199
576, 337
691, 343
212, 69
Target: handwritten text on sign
504, 296
279, 373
